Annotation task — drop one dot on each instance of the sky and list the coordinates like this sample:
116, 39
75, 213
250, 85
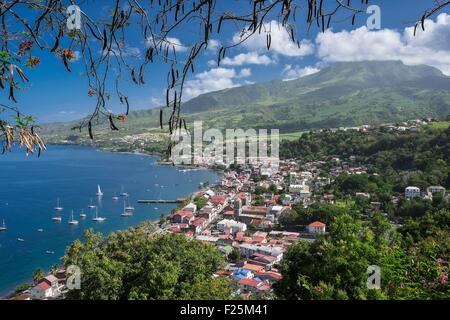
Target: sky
53, 94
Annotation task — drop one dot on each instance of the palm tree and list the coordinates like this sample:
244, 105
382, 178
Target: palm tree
38, 275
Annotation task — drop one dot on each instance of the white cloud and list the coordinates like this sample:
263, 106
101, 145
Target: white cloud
213, 80
179, 47
430, 47
247, 58
213, 45
281, 42
293, 72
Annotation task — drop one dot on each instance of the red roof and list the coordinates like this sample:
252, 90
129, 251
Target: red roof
44, 285
218, 199
252, 267
269, 274
249, 282
184, 214
317, 224
199, 222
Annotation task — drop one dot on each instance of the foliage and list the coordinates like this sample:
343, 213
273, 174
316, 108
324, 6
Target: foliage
133, 265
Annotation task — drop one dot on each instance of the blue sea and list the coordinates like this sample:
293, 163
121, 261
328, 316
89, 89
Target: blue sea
30, 186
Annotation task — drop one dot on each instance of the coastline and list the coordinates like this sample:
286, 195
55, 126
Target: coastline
8, 292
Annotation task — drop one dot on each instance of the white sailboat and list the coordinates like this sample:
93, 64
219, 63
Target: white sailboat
82, 214
123, 194
57, 218
3, 227
126, 213
97, 218
58, 207
99, 191
115, 198
129, 207
91, 206
72, 220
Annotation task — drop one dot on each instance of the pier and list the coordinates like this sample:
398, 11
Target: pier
160, 201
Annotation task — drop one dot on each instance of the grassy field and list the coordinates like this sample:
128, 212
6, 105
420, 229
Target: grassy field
292, 136
441, 125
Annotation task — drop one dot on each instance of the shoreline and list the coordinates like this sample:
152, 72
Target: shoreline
8, 293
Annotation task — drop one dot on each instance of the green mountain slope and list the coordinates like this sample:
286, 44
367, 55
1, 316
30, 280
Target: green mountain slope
344, 94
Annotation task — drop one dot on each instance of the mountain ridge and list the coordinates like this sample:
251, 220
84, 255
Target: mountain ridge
343, 94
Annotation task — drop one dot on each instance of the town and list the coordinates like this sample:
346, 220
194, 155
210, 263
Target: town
243, 215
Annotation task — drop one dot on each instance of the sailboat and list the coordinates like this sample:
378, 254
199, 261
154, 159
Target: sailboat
115, 198
99, 191
82, 214
124, 194
91, 206
126, 213
58, 207
129, 207
20, 240
3, 227
96, 217
72, 221
57, 218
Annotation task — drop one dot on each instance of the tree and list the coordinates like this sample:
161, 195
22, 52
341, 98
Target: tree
38, 275
102, 45
133, 265
234, 255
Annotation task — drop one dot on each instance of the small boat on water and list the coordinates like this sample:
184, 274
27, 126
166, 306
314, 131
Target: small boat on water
91, 206
58, 207
123, 193
3, 227
126, 213
40, 230
99, 191
50, 252
59, 219
97, 218
72, 220
82, 215
129, 207
115, 198
20, 240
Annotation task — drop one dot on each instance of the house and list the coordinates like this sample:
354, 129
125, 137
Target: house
198, 224
191, 207
270, 276
412, 192
182, 217
253, 267
435, 189
41, 291
254, 210
250, 285
234, 225
218, 200
317, 227
47, 288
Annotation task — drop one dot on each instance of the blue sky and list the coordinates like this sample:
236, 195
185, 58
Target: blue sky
55, 95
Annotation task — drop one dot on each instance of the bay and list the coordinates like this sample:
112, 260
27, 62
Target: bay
30, 186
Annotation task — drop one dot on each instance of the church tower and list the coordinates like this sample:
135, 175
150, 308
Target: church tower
237, 208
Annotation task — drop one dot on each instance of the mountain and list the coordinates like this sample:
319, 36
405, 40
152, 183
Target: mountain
343, 94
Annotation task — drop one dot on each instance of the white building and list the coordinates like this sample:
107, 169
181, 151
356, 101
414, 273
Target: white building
435, 189
317, 227
412, 192
234, 225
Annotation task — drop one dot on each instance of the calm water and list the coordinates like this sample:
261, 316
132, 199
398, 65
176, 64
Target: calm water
29, 188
